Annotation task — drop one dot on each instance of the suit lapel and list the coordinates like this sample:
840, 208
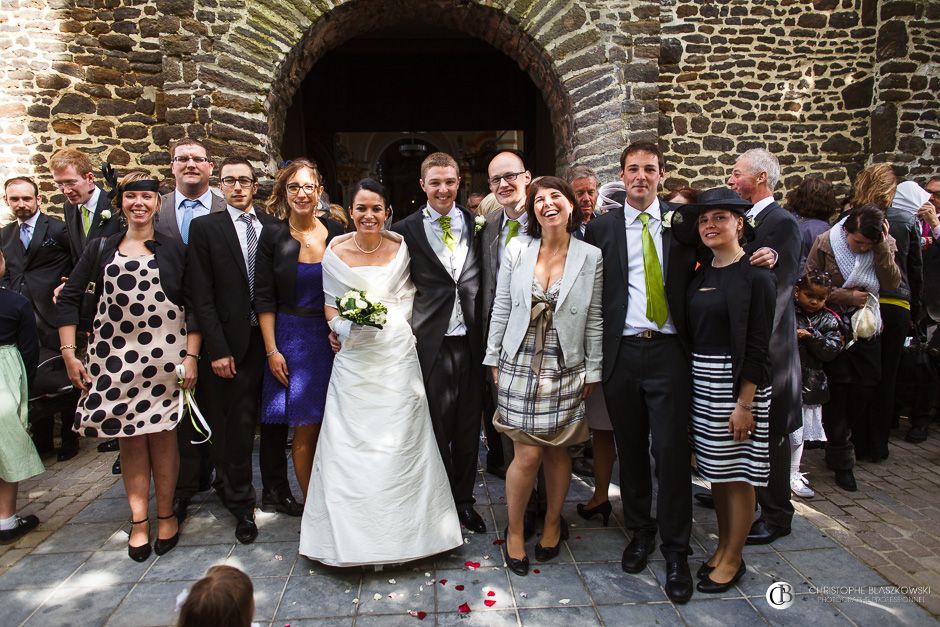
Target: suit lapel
168, 216
218, 204
420, 234
104, 204
573, 264
39, 235
471, 258
231, 238
620, 242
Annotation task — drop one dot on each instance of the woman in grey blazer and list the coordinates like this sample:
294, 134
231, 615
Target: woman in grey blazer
544, 348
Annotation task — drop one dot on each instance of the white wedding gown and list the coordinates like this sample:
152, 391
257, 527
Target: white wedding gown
378, 493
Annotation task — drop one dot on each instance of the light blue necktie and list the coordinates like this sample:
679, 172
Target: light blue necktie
189, 206
26, 235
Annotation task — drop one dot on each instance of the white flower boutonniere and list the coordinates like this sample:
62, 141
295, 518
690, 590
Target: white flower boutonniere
478, 223
105, 215
670, 218
751, 222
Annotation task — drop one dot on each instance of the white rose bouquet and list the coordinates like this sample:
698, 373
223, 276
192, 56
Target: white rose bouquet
358, 308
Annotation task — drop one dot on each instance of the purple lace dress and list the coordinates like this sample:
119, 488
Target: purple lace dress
303, 340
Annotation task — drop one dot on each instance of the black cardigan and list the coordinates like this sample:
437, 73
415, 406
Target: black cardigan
751, 295
171, 261
276, 267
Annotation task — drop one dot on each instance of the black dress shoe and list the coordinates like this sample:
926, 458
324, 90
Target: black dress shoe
109, 446
470, 519
604, 509
520, 567
180, 509
161, 546
67, 452
845, 479
637, 552
283, 503
916, 434
704, 570
246, 530
709, 586
764, 533
678, 578
583, 467
705, 499
543, 553
24, 524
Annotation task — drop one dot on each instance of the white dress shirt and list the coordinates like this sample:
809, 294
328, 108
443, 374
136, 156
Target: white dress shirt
205, 199
636, 321
759, 206
31, 221
241, 229
91, 204
452, 260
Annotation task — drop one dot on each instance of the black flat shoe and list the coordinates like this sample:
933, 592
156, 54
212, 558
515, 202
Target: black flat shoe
544, 554
139, 553
109, 446
24, 524
116, 466
710, 586
604, 509
161, 546
520, 567
704, 570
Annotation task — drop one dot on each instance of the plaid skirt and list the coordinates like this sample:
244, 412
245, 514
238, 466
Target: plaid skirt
543, 409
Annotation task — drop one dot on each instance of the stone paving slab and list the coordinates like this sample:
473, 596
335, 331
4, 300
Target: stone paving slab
76, 571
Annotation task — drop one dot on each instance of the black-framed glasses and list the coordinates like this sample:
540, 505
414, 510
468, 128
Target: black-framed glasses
294, 188
194, 159
229, 181
509, 178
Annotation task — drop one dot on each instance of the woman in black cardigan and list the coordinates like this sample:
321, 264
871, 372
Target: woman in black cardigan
140, 338
289, 302
731, 310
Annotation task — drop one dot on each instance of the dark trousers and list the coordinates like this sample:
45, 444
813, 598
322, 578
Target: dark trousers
840, 453
455, 390
897, 325
231, 408
774, 499
649, 394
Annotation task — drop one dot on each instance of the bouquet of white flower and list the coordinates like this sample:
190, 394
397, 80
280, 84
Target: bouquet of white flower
356, 307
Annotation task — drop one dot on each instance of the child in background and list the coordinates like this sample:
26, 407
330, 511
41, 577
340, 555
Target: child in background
225, 597
820, 337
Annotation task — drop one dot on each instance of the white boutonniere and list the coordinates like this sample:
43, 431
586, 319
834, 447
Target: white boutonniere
105, 215
752, 222
670, 218
478, 223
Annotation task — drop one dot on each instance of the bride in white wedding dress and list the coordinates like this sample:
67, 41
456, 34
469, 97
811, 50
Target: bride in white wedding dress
379, 493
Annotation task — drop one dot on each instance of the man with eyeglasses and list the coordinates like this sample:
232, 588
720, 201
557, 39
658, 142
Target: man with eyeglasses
192, 198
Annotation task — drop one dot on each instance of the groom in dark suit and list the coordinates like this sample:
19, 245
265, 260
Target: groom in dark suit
445, 268
647, 383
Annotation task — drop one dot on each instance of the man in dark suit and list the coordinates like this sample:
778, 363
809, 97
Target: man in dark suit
36, 247
445, 268
647, 383
192, 198
88, 211
754, 177
584, 184
220, 282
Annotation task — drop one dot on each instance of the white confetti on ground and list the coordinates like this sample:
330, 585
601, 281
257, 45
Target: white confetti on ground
392, 581
564, 601
376, 596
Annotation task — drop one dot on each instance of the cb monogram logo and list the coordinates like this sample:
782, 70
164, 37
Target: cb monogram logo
780, 595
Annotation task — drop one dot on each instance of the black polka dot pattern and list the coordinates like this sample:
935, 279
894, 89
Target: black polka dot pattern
134, 389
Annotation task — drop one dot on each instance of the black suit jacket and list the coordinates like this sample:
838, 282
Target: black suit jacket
778, 229
608, 232
36, 272
171, 261
99, 226
217, 284
276, 266
434, 296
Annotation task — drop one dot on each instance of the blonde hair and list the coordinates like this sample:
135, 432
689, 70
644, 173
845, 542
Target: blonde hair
438, 160
66, 157
137, 174
875, 184
276, 204
488, 205
223, 598
339, 214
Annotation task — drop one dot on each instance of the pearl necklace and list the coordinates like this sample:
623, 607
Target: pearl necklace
733, 261
362, 250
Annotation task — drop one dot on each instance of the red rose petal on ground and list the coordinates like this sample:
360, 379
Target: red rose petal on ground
472, 564
421, 615
464, 608
489, 603
442, 581
459, 586
491, 593
498, 541
536, 571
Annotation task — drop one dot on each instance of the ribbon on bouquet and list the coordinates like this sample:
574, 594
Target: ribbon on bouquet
188, 403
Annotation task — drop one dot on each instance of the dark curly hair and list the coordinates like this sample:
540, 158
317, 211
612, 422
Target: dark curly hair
813, 198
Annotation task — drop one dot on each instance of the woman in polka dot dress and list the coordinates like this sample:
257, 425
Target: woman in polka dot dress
128, 381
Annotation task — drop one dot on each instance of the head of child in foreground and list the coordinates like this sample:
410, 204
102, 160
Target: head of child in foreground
223, 598
811, 291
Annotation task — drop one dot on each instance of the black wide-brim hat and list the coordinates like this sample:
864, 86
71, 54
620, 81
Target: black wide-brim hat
686, 227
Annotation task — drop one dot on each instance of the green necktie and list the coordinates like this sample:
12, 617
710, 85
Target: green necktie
656, 308
86, 219
513, 231
449, 239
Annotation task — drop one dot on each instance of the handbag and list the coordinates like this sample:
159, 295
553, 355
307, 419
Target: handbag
89, 302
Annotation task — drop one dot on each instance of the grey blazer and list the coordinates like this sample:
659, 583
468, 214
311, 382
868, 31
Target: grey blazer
577, 317
166, 219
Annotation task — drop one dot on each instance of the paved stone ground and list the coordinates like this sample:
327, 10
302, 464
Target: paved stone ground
75, 569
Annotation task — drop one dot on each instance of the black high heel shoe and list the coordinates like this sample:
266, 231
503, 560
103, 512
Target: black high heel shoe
138, 553
161, 546
604, 509
520, 567
710, 586
543, 554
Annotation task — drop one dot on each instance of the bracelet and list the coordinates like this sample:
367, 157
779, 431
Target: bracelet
747, 406
270, 353
67, 346
196, 357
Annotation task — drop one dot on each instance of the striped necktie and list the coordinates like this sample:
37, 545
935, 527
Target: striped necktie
251, 237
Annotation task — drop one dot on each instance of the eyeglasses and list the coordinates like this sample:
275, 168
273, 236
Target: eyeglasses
229, 181
71, 184
196, 160
294, 188
509, 178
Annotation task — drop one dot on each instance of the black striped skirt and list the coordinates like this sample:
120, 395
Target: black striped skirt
718, 456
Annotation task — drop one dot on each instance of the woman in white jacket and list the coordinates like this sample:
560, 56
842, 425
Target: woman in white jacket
544, 349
